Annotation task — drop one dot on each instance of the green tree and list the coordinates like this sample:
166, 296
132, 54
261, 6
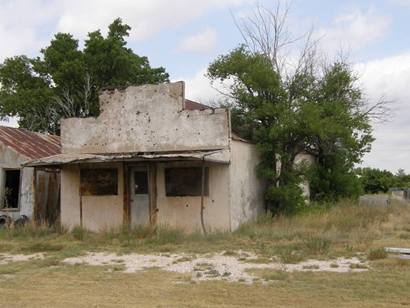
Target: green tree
264, 113
310, 108
376, 181
65, 80
401, 179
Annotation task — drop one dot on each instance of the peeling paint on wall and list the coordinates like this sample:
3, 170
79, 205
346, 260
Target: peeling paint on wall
144, 119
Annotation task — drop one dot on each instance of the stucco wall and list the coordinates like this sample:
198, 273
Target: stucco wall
9, 159
143, 119
304, 160
184, 212
99, 212
246, 189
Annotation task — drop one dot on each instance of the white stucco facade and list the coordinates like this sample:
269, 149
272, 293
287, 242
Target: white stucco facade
150, 127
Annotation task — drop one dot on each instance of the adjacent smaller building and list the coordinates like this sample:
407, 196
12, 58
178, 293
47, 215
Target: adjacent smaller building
24, 190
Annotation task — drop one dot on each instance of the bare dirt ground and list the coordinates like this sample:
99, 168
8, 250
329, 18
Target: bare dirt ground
6, 258
232, 267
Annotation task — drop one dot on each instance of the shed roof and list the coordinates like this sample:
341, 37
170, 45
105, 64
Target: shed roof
30, 144
191, 105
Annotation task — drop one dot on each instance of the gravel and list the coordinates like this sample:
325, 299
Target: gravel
232, 267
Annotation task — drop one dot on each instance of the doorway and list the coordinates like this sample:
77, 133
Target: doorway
139, 196
11, 189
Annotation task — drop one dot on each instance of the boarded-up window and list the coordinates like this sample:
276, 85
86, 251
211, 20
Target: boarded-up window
11, 189
185, 181
99, 182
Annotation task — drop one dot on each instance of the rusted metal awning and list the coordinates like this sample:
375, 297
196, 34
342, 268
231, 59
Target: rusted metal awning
221, 156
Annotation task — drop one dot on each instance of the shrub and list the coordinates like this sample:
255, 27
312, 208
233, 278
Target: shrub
377, 254
317, 245
79, 233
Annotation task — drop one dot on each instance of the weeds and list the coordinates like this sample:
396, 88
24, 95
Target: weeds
377, 254
316, 245
320, 232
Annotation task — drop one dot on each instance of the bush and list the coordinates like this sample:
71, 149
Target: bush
286, 199
79, 233
317, 245
377, 254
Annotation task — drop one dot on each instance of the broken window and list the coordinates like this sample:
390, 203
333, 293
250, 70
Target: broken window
185, 181
11, 189
99, 182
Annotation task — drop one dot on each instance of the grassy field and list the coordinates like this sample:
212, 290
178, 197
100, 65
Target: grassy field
343, 230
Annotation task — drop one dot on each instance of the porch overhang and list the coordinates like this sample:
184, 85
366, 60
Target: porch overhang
220, 156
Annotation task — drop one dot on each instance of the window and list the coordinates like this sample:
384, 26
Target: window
99, 182
185, 181
140, 183
11, 189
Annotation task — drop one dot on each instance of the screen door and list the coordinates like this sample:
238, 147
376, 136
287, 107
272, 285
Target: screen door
139, 196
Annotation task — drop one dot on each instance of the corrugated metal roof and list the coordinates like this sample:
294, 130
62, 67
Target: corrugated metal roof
30, 144
191, 105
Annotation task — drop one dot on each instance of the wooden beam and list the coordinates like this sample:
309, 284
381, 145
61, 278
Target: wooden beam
126, 206
152, 191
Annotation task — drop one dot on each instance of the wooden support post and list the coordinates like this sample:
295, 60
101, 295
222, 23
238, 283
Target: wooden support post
202, 196
35, 210
81, 201
126, 209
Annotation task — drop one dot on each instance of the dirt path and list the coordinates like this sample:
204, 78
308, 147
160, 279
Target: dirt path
6, 258
233, 267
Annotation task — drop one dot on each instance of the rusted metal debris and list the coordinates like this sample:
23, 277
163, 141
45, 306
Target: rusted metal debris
30, 144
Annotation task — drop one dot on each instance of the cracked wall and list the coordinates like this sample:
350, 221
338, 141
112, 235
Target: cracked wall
145, 119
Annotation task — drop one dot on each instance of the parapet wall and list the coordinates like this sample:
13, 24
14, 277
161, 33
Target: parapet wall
146, 118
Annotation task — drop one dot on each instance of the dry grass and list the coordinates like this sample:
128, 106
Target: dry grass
81, 286
343, 230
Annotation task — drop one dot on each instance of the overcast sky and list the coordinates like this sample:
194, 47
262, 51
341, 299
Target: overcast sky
184, 36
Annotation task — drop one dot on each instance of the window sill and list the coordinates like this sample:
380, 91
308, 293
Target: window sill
10, 209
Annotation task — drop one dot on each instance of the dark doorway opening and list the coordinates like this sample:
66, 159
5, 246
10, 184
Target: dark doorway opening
12, 189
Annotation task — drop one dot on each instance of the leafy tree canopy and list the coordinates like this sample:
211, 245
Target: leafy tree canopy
314, 111
375, 181
65, 80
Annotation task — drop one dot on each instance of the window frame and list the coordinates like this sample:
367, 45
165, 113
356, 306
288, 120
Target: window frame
83, 190
3, 191
206, 179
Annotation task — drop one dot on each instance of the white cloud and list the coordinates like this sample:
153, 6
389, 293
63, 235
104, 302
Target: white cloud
389, 78
401, 2
20, 24
26, 25
145, 17
353, 31
203, 41
198, 88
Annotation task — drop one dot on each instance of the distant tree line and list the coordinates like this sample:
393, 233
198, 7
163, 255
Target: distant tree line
375, 181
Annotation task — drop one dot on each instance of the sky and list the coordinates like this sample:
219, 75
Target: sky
184, 36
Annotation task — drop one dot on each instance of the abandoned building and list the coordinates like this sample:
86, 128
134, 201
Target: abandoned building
27, 191
154, 158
